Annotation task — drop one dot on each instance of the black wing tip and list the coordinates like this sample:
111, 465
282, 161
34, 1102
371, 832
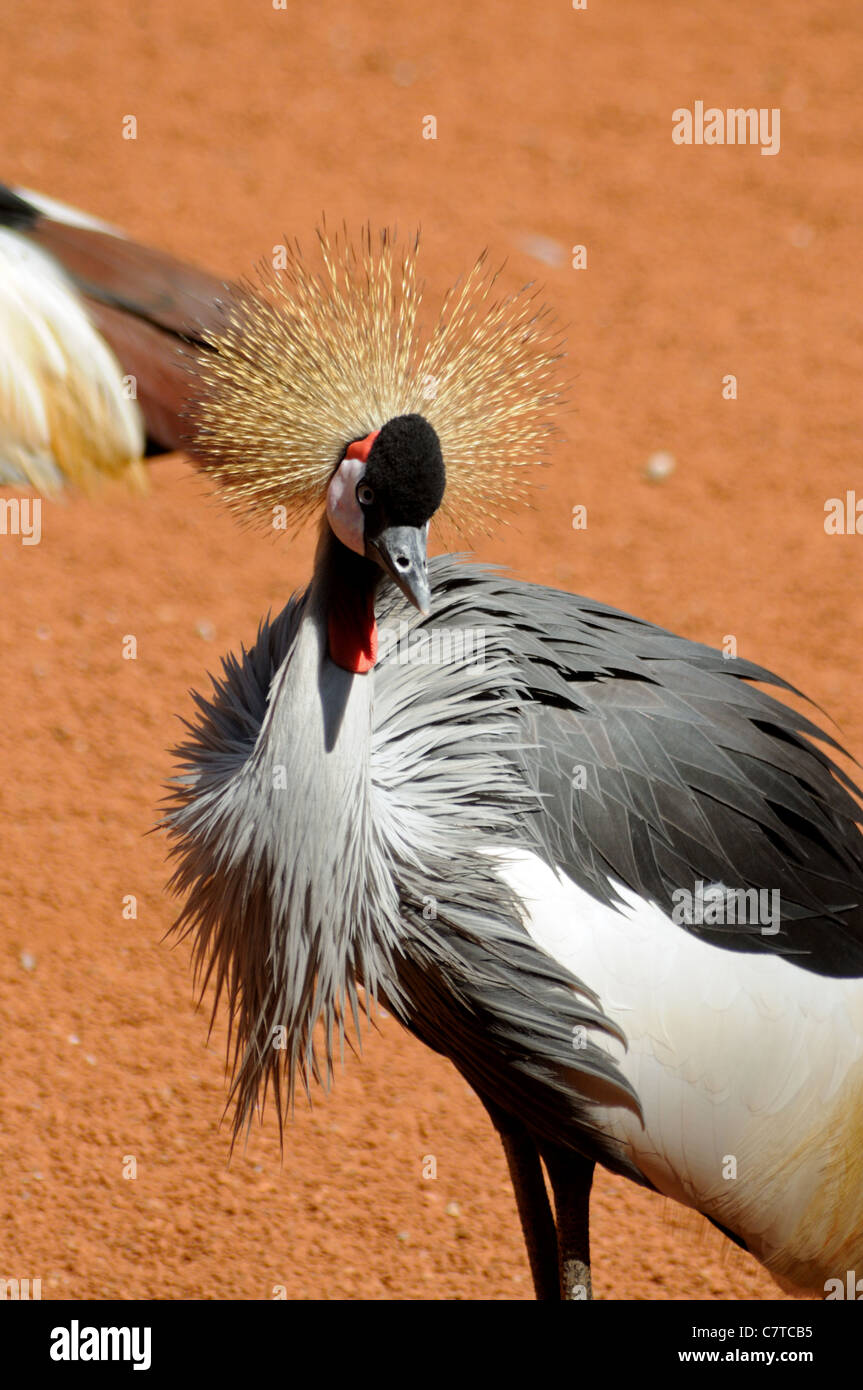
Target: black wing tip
15, 211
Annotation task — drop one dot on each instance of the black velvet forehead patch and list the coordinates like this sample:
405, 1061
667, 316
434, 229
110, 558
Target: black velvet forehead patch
406, 470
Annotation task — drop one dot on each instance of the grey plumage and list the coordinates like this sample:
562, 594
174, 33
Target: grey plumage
691, 772
312, 844
296, 895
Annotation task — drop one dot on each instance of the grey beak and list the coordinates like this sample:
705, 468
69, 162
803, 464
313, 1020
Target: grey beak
401, 553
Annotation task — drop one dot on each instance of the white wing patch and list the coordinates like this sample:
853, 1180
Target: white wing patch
749, 1071
63, 212
64, 415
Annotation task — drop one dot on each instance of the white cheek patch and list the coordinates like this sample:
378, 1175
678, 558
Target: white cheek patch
344, 512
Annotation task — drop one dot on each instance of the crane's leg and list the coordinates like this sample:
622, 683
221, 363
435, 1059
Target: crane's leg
534, 1209
571, 1177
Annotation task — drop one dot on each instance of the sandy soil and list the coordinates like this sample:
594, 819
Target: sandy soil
553, 124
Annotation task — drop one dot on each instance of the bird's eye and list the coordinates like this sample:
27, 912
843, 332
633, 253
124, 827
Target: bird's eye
365, 495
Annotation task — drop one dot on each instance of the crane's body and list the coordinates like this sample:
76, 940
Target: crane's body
527, 848
747, 1063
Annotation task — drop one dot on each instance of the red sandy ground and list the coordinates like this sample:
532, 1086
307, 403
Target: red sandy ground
702, 261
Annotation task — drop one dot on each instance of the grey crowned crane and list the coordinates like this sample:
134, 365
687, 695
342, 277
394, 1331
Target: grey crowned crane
618, 884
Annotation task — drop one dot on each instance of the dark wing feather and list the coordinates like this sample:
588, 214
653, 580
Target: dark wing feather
691, 771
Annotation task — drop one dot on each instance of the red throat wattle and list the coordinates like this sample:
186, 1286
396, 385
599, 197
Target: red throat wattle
351, 628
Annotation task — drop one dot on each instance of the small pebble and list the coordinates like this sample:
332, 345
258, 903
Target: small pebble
543, 248
660, 466
801, 236
403, 74
27, 960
